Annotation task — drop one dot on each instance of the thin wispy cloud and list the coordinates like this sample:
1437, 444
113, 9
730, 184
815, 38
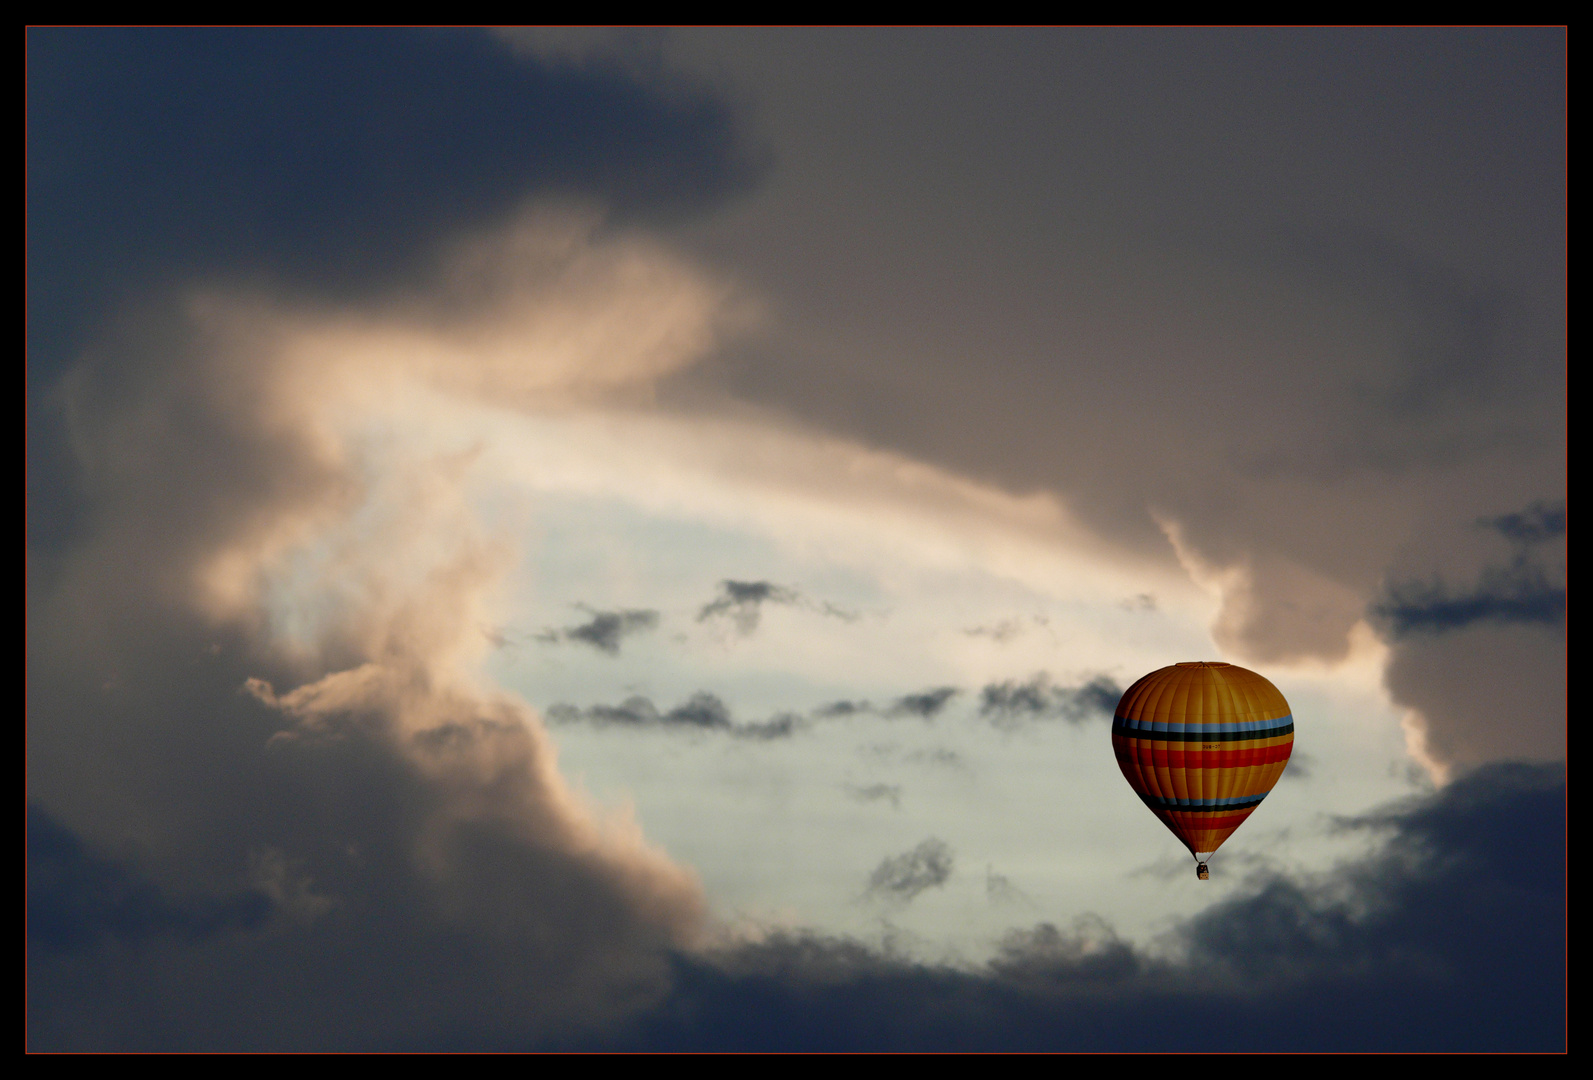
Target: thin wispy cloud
1012, 703
605, 630
870, 793
702, 712
741, 602
999, 890
926, 705
706, 711
1537, 524
841, 709
900, 878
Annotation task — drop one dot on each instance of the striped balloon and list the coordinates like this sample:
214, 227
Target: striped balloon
1201, 744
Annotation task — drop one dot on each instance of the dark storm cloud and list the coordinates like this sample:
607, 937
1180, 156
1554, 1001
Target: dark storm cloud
442, 873
327, 160
1525, 590
1460, 341
1451, 936
1355, 343
1483, 667
605, 629
1007, 704
1519, 593
77, 900
417, 843
1536, 524
334, 157
902, 877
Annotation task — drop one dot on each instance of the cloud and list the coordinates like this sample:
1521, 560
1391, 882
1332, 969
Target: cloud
837, 709
1004, 630
740, 601
701, 712
891, 793
902, 877
1537, 524
1482, 669
780, 726
1450, 935
605, 629
78, 900
1313, 403
1521, 592
999, 889
1011, 703
334, 162
926, 705
707, 712
1000, 632
1485, 692
634, 51
445, 877
284, 502
940, 756
333, 157
276, 441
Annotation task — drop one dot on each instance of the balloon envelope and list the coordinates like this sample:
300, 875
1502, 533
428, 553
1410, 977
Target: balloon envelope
1201, 744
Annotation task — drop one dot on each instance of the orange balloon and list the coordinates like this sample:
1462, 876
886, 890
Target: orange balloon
1201, 744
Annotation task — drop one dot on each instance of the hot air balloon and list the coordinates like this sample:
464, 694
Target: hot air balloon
1201, 744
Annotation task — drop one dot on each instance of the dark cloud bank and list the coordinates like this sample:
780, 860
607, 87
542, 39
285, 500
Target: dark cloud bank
1526, 590
332, 162
1489, 657
1451, 937
333, 158
380, 856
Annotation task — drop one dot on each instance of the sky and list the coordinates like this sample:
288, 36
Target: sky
593, 539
